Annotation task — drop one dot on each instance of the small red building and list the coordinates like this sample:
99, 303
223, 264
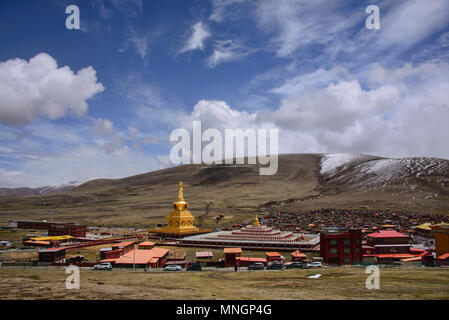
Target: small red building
53, 255
298, 256
203, 255
443, 260
126, 246
247, 261
339, 247
273, 256
230, 256
146, 245
109, 253
55, 228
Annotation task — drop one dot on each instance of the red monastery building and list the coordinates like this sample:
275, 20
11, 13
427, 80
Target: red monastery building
389, 242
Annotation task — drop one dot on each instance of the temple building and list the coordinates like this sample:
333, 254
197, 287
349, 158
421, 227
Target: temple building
180, 220
255, 236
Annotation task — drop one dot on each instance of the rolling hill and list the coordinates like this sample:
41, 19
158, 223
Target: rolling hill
303, 182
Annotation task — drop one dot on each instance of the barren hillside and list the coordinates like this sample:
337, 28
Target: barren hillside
303, 182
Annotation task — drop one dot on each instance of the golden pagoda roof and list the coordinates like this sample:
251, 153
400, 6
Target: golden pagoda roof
424, 226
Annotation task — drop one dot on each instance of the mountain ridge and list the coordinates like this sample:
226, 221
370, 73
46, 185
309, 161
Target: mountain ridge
303, 182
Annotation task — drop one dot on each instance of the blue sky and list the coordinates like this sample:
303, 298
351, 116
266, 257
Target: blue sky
100, 102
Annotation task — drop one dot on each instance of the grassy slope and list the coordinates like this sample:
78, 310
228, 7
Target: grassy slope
335, 283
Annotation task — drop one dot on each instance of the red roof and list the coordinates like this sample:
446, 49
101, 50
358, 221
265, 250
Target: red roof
394, 255
123, 244
248, 259
139, 256
52, 250
272, 254
204, 254
232, 250
444, 256
387, 234
147, 244
298, 254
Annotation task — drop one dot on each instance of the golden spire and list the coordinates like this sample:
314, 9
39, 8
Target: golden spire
180, 192
256, 221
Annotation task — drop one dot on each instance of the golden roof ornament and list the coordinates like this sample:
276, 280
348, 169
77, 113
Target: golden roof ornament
256, 221
180, 192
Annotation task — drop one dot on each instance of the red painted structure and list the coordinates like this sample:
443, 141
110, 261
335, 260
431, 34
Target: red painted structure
246, 261
389, 242
273, 256
340, 247
125, 246
443, 260
55, 228
298, 256
53, 255
230, 256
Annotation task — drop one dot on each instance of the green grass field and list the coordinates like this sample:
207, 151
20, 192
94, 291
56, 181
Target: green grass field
335, 283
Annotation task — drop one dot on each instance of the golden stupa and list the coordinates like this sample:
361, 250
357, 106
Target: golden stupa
256, 222
180, 220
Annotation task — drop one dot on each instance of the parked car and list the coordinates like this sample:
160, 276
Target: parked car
275, 266
103, 266
294, 265
172, 268
256, 266
194, 267
315, 264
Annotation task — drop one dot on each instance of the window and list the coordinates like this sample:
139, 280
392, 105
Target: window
333, 242
346, 242
333, 250
347, 250
356, 250
347, 260
357, 241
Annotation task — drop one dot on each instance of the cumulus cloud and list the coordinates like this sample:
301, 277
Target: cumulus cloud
334, 107
29, 90
219, 115
394, 112
196, 41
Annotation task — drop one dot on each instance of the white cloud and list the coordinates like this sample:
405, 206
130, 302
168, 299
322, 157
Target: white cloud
103, 127
393, 112
196, 41
295, 24
227, 51
220, 8
219, 115
412, 21
316, 79
51, 154
140, 43
333, 108
29, 90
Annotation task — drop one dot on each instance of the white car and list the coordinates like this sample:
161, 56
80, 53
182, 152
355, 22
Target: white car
103, 266
172, 268
315, 264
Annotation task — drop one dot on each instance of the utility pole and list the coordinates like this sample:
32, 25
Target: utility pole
134, 256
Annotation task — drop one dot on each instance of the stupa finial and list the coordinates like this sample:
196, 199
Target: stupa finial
180, 192
256, 221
